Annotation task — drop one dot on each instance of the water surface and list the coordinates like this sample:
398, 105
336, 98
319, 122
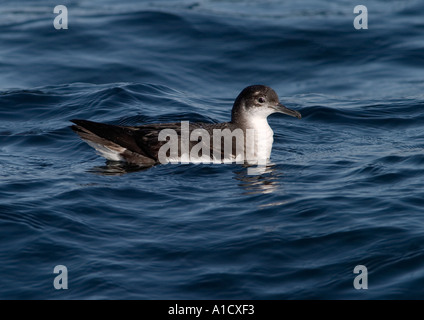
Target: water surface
345, 187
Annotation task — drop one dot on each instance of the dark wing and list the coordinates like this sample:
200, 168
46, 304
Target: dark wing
148, 136
140, 144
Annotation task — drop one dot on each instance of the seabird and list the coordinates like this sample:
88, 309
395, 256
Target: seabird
141, 145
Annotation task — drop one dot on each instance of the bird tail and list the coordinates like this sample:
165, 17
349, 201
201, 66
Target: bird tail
115, 143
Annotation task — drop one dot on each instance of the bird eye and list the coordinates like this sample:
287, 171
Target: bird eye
261, 100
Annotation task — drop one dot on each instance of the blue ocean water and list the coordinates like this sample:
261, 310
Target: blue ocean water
346, 183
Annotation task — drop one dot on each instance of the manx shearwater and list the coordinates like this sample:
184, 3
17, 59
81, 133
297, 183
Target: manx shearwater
141, 145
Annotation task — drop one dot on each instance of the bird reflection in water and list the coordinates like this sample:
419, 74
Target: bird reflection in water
113, 168
259, 179
253, 179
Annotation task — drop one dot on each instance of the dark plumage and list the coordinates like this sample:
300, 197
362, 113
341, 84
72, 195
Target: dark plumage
140, 145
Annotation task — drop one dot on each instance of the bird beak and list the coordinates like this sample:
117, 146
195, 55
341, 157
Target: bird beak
283, 109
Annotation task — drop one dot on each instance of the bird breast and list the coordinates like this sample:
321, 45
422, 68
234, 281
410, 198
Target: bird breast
263, 138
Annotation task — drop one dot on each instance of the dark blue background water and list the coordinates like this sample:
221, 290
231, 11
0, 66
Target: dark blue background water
345, 187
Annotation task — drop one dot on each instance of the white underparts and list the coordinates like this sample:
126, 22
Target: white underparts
263, 137
110, 153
